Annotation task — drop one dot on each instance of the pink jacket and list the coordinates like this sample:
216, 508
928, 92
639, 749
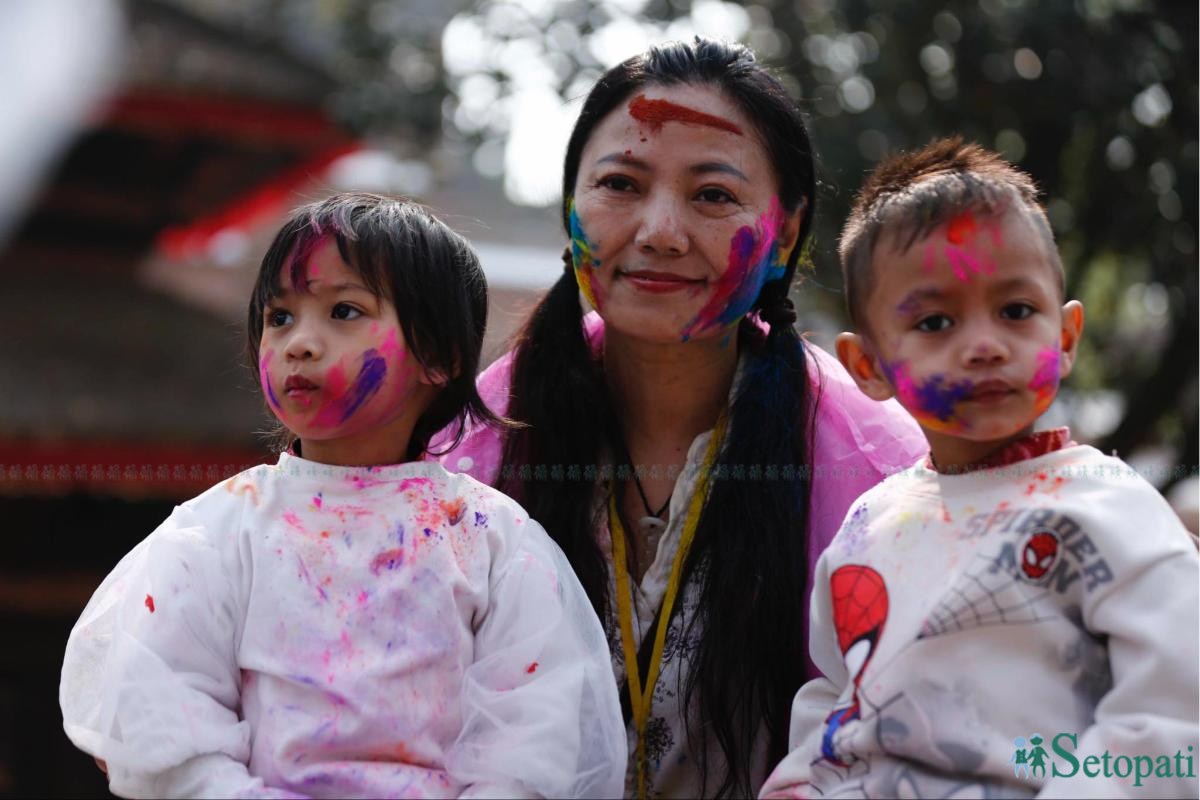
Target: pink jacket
856, 442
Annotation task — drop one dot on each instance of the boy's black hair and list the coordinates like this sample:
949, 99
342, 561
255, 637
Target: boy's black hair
910, 194
407, 256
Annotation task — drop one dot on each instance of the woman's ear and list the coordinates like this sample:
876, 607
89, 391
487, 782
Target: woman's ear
854, 353
790, 231
1072, 328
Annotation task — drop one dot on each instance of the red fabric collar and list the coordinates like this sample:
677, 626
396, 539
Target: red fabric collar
1031, 446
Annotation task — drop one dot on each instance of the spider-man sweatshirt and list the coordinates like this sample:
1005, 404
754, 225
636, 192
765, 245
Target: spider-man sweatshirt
1029, 628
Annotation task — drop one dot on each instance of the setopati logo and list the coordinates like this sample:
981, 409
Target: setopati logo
1031, 758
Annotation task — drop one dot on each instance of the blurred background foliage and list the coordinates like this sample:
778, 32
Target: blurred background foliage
1097, 99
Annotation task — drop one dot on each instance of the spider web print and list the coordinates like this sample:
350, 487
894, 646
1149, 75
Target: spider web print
986, 594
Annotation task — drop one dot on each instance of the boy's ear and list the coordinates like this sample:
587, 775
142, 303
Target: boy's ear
863, 368
1072, 328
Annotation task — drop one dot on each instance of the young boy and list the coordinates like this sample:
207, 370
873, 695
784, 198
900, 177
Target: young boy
1017, 614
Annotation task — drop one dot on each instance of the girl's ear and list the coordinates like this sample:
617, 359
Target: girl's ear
434, 377
853, 352
1072, 327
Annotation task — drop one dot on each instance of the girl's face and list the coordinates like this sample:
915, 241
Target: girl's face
335, 368
675, 222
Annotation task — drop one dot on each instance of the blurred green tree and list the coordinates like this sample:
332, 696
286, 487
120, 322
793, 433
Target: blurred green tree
1097, 99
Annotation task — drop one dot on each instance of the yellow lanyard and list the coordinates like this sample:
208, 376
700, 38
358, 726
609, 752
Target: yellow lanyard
642, 698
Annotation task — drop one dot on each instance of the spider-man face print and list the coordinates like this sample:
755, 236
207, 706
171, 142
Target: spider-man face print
1039, 554
860, 608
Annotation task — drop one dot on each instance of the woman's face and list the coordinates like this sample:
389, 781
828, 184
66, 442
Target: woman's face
675, 220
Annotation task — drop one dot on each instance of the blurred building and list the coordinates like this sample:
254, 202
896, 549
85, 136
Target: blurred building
125, 282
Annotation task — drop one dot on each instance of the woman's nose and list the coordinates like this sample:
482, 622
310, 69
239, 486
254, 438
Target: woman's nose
660, 228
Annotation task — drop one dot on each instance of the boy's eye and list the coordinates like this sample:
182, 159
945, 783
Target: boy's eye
934, 323
713, 194
278, 317
1017, 311
345, 311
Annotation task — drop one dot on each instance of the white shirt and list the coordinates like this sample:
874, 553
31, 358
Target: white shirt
956, 614
312, 630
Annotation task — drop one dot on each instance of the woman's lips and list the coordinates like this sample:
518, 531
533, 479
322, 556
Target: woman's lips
660, 282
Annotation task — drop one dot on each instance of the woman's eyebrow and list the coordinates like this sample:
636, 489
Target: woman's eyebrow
624, 159
718, 166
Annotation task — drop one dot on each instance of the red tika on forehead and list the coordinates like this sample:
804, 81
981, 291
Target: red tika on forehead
656, 112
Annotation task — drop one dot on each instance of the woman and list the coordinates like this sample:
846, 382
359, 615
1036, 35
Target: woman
688, 198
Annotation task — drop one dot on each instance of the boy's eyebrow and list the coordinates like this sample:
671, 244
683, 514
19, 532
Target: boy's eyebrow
916, 296
1009, 284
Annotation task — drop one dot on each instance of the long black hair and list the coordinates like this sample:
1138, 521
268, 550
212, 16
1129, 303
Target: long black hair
750, 550
412, 259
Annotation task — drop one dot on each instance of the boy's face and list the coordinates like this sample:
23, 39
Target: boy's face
335, 367
967, 331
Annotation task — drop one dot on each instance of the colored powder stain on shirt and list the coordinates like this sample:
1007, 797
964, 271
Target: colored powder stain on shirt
455, 510
317, 500
414, 483
532, 668
150, 603
291, 519
388, 559
481, 520
656, 112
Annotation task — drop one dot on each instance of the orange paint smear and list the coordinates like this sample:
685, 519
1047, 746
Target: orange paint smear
656, 112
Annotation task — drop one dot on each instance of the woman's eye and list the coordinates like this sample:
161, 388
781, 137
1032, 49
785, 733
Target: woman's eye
1017, 311
345, 311
277, 318
618, 183
712, 194
934, 323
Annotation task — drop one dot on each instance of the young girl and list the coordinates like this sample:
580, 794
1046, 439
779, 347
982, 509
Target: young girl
351, 621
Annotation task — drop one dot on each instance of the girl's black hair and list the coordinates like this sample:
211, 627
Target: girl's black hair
407, 256
750, 550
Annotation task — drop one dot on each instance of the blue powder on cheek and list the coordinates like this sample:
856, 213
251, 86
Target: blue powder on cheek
938, 400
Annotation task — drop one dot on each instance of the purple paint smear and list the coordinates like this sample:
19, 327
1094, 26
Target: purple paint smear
370, 378
931, 403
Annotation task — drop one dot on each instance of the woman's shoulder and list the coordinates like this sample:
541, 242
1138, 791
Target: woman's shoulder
851, 427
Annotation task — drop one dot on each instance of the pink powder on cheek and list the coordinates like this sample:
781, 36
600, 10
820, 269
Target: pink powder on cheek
1046, 379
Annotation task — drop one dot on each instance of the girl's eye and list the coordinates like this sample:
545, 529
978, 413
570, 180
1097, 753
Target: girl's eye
278, 317
1017, 311
345, 311
934, 323
618, 183
712, 194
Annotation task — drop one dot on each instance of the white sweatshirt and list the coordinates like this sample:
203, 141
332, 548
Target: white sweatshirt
307, 630
958, 616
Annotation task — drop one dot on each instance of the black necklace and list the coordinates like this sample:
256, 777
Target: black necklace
654, 523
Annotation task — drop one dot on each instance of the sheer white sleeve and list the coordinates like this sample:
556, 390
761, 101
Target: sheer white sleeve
150, 682
540, 711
